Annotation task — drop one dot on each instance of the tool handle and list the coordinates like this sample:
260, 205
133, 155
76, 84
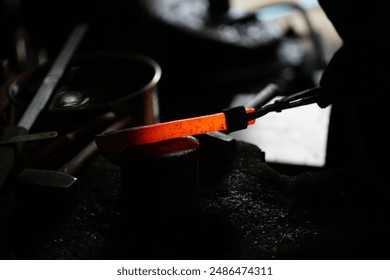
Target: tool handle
305, 97
86, 154
87, 130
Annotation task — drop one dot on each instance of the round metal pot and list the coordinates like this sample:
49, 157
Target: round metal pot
92, 84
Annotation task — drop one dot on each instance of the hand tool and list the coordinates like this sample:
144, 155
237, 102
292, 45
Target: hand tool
47, 195
52, 78
29, 137
260, 99
58, 145
64, 176
8, 152
231, 119
221, 145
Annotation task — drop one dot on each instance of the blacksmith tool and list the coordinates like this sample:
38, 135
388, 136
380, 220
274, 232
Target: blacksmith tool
61, 143
63, 177
9, 152
259, 100
29, 137
48, 194
221, 145
229, 120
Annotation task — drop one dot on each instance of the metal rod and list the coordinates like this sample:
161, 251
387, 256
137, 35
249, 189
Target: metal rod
29, 137
51, 80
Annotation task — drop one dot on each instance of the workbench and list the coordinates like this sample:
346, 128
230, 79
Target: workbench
247, 210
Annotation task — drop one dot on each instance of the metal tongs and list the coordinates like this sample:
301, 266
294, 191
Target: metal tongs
298, 99
231, 119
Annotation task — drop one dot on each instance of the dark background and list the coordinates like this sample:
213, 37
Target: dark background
248, 210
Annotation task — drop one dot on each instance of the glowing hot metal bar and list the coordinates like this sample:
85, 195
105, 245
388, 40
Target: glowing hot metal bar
230, 120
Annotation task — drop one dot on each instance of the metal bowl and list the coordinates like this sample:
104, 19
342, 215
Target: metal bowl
92, 84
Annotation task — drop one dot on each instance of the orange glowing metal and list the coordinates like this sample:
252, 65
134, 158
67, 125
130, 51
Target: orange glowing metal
117, 140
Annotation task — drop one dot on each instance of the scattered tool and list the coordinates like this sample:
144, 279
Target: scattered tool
229, 120
64, 176
54, 147
46, 195
9, 153
29, 137
52, 78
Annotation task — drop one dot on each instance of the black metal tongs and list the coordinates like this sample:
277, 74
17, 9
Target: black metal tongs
301, 98
229, 120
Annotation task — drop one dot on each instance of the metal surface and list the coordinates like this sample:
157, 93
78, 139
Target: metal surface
302, 98
95, 82
29, 137
221, 139
48, 178
118, 140
230, 120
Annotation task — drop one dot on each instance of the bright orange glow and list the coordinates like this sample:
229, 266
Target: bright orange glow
117, 140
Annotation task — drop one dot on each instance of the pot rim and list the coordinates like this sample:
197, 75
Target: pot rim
148, 61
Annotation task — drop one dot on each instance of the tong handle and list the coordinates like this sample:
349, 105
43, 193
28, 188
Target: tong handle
298, 99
